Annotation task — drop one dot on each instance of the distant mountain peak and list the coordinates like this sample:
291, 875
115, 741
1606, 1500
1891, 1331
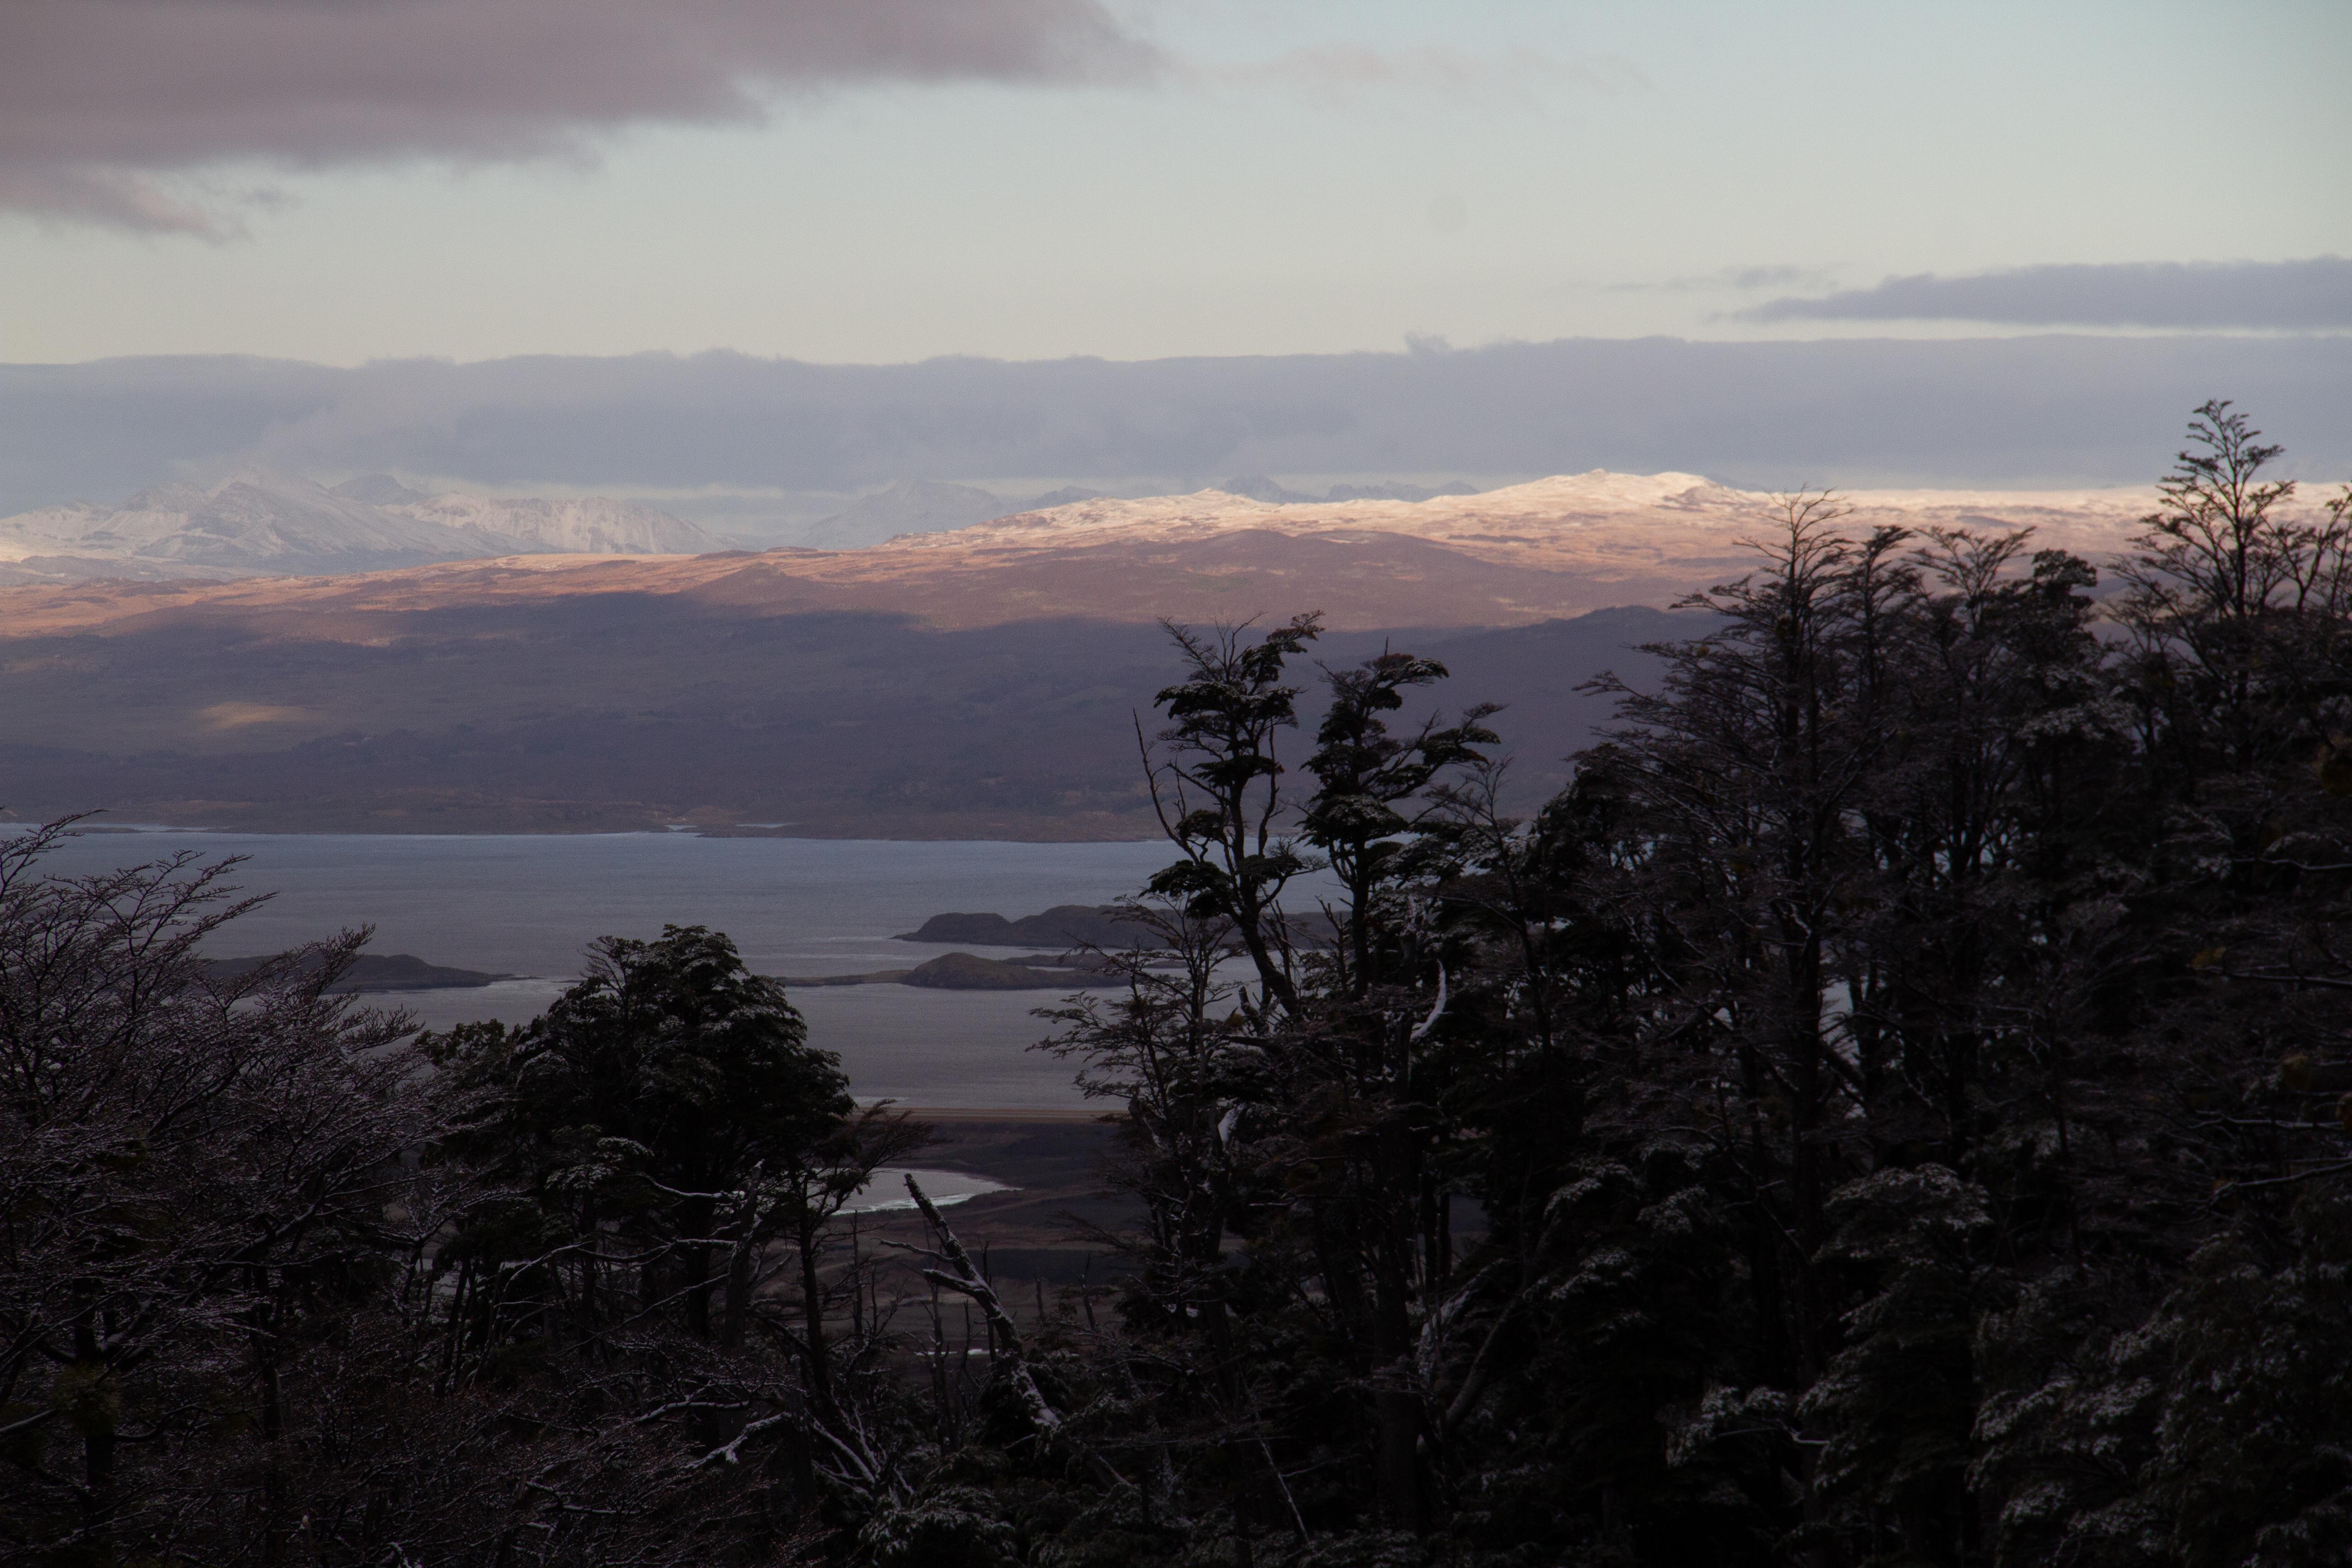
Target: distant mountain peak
908, 506
379, 489
1397, 490
261, 523
1257, 486
1068, 495
580, 525
1273, 492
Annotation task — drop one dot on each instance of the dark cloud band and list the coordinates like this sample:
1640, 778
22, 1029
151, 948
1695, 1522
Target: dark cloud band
2284, 296
99, 96
2003, 411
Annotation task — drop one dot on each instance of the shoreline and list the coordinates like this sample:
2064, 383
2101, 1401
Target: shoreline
92, 829
1033, 1115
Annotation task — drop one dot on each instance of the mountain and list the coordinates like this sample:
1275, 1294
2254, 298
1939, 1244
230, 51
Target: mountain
587, 525
1614, 526
1554, 547
910, 506
1257, 486
262, 524
1062, 497
1531, 553
923, 506
1395, 489
974, 684
256, 523
379, 489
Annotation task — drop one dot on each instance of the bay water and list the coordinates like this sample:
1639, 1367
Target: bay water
529, 904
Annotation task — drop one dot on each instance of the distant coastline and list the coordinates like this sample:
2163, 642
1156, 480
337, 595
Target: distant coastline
969, 971
370, 972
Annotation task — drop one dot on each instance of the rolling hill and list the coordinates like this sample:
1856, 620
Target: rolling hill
982, 683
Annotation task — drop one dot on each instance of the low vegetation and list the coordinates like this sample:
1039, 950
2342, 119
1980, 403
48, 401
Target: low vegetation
1894, 1107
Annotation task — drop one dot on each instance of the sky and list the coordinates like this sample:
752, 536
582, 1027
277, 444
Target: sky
344, 181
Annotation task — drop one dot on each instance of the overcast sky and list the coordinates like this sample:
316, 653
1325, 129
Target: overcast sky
336, 181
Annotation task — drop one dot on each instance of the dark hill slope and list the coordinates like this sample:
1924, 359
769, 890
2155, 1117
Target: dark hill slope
622, 710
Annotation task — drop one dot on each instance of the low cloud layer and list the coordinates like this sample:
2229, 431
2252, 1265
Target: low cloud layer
2284, 296
2010, 411
102, 102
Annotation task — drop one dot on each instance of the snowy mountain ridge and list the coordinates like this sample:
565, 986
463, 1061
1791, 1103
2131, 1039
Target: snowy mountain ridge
264, 523
1593, 520
1524, 555
582, 525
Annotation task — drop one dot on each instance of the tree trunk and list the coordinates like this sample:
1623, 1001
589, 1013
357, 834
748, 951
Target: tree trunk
820, 1381
98, 1438
1397, 1408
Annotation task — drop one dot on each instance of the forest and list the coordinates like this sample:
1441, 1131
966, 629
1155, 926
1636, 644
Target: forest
1892, 1107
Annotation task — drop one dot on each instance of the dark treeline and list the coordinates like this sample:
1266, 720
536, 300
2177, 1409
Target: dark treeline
1894, 1107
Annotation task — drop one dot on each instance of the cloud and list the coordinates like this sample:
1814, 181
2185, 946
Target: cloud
1995, 411
106, 104
1345, 71
1746, 280
2286, 296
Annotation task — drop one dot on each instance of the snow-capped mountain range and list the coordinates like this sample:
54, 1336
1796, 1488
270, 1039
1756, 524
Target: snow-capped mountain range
1556, 522
1610, 538
1549, 549
1643, 538
270, 525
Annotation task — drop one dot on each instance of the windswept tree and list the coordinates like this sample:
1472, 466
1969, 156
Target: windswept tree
667, 1080
1298, 1125
197, 1173
1216, 781
1899, 1077
277, 1284
678, 1153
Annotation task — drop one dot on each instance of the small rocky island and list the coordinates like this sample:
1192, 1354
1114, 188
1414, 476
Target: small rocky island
969, 971
1067, 928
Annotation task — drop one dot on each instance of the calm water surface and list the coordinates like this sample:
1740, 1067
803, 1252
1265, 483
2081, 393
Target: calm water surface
529, 904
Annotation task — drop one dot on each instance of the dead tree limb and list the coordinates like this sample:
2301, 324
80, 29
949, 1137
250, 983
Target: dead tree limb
961, 1276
